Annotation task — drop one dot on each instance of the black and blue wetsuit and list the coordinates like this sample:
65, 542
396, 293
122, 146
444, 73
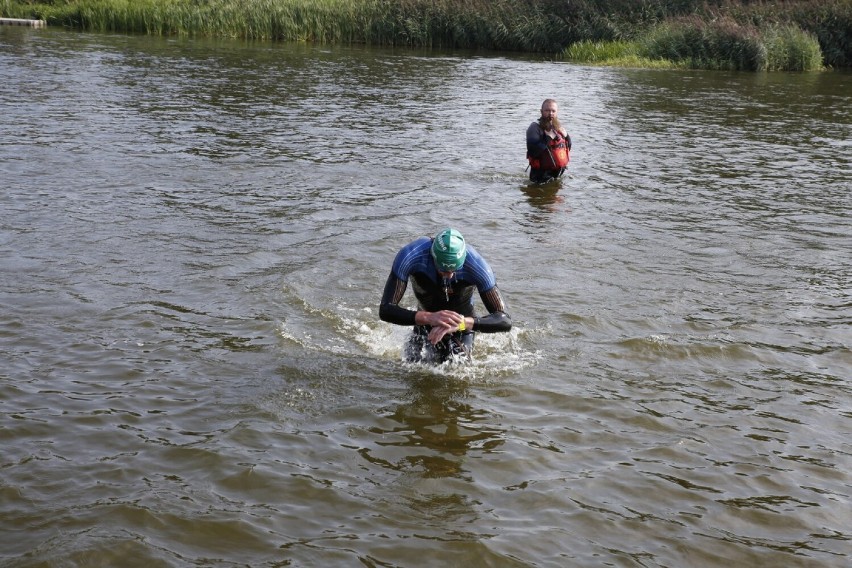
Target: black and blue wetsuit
414, 263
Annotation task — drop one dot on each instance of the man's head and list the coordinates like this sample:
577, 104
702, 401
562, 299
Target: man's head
449, 251
549, 110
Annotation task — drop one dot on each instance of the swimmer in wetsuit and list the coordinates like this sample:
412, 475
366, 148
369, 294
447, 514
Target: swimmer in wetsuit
444, 272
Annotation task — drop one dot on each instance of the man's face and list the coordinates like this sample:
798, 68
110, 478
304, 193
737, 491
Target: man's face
548, 111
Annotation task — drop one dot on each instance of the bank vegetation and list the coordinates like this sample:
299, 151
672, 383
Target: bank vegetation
792, 35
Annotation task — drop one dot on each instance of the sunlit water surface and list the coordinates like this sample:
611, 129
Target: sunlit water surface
194, 237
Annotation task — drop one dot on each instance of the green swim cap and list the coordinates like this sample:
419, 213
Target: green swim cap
449, 250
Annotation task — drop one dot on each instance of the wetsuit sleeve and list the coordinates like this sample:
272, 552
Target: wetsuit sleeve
389, 309
536, 145
497, 319
568, 141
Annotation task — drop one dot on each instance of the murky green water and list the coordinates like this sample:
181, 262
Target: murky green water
194, 237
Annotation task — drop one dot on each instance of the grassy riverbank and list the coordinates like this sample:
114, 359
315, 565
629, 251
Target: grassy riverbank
694, 43
718, 34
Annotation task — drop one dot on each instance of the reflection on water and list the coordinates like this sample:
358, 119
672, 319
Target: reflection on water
440, 428
544, 196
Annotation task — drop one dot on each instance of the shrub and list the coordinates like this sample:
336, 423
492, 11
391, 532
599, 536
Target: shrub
721, 44
791, 49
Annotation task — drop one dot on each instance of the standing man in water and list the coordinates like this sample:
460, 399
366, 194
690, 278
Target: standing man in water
444, 272
548, 145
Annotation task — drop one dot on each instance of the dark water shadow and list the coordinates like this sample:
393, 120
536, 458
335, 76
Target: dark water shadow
440, 428
544, 196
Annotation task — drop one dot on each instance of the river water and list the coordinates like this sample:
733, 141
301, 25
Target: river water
194, 236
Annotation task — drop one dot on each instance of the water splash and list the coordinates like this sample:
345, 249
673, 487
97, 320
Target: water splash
357, 331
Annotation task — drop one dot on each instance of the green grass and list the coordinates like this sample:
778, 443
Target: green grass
614, 54
791, 35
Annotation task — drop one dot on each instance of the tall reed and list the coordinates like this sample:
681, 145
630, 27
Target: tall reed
517, 25
714, 33
791, 49
722, 44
